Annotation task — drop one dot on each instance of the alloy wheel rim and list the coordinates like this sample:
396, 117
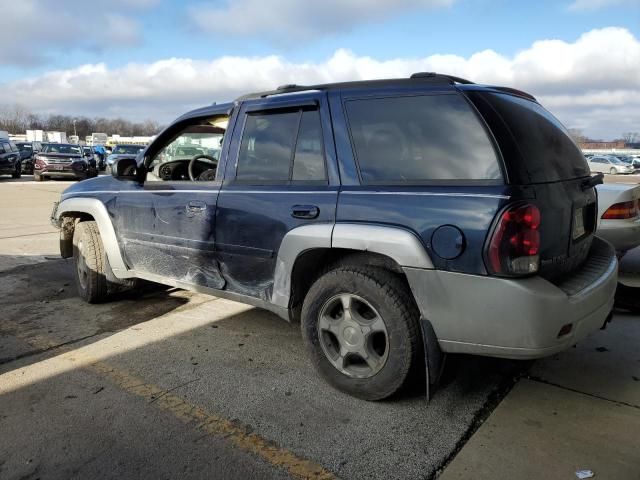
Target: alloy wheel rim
353, 336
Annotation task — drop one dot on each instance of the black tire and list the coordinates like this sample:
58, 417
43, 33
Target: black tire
628, 298
391, 298
89, 261
18, 171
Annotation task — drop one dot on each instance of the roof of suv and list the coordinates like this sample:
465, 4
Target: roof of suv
430, 78
424, 78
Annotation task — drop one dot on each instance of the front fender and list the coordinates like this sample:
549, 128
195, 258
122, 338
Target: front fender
78, 207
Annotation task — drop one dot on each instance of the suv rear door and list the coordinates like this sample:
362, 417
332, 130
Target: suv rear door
545, 164
280, 174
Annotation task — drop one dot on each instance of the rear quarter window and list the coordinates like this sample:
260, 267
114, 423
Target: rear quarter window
420, 139
544, 143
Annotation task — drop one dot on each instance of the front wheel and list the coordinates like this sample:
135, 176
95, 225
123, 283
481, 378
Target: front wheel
360, 325
17, 172
89, 260
38, 178
613, 171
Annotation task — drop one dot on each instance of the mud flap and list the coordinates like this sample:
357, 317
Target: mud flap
433, 357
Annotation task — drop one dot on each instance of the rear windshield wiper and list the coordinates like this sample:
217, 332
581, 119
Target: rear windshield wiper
593, 181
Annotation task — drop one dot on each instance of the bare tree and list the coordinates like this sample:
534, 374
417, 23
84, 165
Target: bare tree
630, 137
577, 135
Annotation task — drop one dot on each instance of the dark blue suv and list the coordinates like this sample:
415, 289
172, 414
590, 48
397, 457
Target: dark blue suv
397, 220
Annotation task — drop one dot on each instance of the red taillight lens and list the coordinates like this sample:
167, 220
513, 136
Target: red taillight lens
619, 211
515, 243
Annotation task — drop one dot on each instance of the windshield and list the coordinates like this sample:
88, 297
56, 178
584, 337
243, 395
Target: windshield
24, 146
615, 161
127, 149
62, 148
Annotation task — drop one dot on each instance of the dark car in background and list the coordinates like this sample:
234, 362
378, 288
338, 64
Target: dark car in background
27, 152
120, 151
10, 163
62, 160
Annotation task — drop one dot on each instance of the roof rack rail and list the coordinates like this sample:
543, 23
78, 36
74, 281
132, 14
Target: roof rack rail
292, 88
434, 75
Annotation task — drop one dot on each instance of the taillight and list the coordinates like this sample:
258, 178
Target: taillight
619, 211
515, 244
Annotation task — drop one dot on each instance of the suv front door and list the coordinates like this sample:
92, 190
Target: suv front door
281, 174
167, 225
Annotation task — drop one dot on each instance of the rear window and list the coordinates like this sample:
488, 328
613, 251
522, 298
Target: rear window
548, 150
418, 139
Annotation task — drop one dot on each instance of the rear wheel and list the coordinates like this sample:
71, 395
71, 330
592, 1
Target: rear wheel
18, 171
361, 328
613, 171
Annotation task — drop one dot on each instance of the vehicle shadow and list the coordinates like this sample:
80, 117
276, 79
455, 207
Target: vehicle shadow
40, 300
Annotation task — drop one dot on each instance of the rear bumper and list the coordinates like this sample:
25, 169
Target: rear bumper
622, 234
519, 318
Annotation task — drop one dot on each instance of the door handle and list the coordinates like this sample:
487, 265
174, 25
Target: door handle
196, 207
306, 212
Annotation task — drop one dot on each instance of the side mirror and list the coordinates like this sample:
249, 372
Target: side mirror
124, 168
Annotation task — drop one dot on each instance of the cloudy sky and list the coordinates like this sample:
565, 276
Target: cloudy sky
156, 59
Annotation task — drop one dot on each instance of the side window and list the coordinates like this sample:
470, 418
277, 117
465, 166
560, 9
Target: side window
420, 139
13, 146
267, 146
2, 148
282, 146
308, 162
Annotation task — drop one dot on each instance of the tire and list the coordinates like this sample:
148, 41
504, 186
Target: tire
613, 171
89, 261
18, 171
370, 289
38, 178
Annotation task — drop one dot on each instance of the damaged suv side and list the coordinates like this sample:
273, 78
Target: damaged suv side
397, 220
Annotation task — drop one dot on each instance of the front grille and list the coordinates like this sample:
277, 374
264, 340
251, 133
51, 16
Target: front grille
60, 161
596, 264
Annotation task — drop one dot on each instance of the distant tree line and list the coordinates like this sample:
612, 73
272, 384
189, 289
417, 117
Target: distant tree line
627, 137
16, 119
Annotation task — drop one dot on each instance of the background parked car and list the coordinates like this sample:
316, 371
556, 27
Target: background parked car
123, 150
10, 163
27, 152
629, 160
62, 160
619, 224
608, 164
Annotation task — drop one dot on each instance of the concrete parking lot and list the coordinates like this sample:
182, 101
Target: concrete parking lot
162, 383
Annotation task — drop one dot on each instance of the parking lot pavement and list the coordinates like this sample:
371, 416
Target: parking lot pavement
165, 383
579, 410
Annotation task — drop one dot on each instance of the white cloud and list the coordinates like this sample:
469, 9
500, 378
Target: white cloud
590, 5
287, 20
592, 83
34, 30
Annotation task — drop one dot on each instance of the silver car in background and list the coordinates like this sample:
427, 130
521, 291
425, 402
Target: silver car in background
609, 164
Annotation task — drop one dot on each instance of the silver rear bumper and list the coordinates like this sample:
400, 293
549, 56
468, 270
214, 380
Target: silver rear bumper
516, 318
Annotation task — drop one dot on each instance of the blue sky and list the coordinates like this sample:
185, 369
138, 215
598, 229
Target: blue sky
117, 34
